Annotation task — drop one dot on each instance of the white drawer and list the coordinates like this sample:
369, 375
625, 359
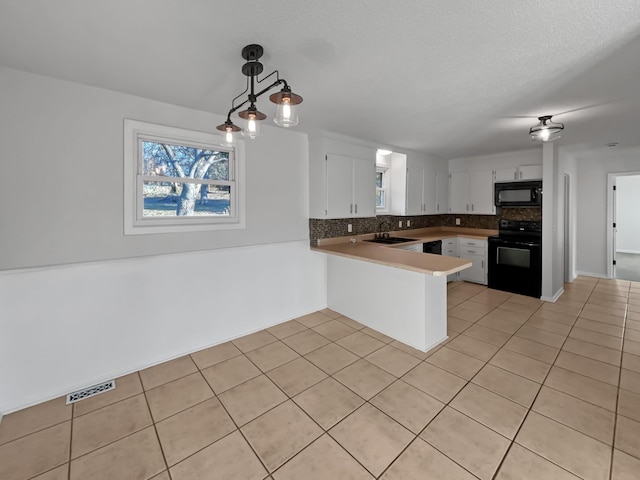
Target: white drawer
450, 252
471, 250
449, 242
471, 242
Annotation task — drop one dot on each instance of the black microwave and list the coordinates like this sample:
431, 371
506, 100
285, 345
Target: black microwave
518, 194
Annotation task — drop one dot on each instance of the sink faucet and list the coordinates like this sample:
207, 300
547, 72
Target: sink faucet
382, 234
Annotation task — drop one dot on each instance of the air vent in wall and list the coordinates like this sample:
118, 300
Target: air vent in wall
91, 391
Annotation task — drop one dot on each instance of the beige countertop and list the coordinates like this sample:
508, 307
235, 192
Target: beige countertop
354, 246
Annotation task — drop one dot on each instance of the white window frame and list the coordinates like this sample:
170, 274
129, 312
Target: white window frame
385, 188
134, 223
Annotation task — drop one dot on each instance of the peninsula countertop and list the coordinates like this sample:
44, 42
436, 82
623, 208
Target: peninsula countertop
356, 247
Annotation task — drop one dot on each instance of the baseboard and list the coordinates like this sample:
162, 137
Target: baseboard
554, 298
633, 252
591, 274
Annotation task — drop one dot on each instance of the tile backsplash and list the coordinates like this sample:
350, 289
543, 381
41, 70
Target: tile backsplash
320, 228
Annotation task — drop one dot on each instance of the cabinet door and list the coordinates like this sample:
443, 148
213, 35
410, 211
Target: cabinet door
459, 192
442, 192
429, 193
481, 192
505, 174
415, 176
476, 272
530, 172
364, 187
340, 186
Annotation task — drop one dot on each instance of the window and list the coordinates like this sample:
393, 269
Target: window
179, 180
382, 187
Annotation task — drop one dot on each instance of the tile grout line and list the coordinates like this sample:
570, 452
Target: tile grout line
615, 416
155, 428
73, 408
524, 419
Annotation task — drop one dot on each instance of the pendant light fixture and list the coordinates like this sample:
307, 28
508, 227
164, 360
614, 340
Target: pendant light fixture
286, 101
546, 130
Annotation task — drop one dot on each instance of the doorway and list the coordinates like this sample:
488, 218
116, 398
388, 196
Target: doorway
625, 226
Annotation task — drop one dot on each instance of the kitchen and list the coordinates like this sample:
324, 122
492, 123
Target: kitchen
342, 185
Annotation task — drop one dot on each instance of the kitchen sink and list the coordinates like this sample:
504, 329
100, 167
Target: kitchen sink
391, 240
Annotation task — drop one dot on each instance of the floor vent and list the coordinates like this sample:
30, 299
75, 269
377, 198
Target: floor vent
91, 391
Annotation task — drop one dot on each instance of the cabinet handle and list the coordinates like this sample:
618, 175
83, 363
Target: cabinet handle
437, 207
520, 175
482, 264
472, 207
467, 207
356, 208
351, 208
471, 251
515, 175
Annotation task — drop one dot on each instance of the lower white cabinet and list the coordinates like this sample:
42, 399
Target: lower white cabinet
450, 249
476, 251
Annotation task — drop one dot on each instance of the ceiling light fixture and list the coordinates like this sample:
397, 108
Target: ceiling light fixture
285, 100
546, 130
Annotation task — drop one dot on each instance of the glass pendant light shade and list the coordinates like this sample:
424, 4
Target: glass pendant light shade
546, 130
286, 110
252, 122
286, 115
230, 130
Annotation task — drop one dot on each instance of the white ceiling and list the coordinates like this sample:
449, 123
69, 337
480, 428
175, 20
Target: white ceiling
452, 78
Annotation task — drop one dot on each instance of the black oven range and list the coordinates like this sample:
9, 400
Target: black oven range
515, 258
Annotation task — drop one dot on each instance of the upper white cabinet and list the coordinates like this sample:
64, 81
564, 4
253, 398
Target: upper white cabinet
471, 192
415, 189
459, 192
523, 172
341, 179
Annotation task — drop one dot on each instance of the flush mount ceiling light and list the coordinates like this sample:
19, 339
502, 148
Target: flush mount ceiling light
285, 100
546, 130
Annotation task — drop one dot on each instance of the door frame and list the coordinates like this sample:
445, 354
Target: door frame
611, 218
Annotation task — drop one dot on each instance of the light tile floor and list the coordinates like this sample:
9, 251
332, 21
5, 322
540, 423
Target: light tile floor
523, 389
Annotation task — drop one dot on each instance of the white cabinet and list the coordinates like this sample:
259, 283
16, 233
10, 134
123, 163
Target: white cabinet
415, 190
505, 174
523, 172
341, 180
350, 186
459, 192
471, 192
414, 187
442, 192
450, 249
364, 187
530, 172
476, 251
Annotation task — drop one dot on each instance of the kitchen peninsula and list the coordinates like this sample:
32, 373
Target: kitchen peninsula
400, 293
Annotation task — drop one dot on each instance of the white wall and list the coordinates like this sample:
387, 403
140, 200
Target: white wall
627, 216
79, 301
591, 237
61, 154
67, 327
568, 166
552, 224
